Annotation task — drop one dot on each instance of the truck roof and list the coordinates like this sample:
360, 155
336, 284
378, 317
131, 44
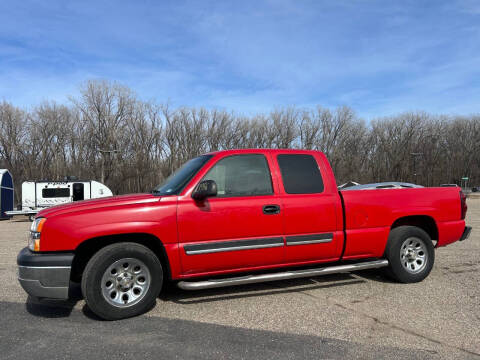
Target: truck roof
263, 150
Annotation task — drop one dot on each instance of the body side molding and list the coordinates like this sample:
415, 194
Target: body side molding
234, 245
309, 239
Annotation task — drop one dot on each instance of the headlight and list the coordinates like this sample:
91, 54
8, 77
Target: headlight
35, 231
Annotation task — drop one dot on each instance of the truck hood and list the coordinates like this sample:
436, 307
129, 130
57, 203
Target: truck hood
98, 203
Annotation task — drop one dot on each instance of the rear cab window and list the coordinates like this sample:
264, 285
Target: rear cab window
300, 174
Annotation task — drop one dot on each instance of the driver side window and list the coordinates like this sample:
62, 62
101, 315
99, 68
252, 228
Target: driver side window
241, 175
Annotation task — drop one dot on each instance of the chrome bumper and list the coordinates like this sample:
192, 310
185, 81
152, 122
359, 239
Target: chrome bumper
45, 275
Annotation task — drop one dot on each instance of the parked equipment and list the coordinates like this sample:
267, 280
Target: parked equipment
38, 195
6, 193
383, 185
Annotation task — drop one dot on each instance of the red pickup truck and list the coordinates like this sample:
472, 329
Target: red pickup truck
235, 217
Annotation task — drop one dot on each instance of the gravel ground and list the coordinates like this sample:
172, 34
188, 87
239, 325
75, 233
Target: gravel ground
362, 315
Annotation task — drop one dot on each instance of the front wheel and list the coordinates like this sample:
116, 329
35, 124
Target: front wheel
410, 253
122, 280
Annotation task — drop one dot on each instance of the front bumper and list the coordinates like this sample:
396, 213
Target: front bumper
466, 233
45, 275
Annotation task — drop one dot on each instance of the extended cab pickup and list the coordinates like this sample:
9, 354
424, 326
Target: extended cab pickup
235, 217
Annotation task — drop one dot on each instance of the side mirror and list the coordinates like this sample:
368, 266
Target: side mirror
206, 188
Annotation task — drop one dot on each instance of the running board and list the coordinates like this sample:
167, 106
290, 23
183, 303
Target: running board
294, 274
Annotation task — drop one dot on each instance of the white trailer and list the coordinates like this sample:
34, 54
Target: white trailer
39, 195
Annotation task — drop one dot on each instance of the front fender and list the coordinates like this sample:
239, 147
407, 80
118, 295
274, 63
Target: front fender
66, 231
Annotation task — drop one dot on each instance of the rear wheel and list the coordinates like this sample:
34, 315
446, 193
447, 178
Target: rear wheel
410, 253
122, 280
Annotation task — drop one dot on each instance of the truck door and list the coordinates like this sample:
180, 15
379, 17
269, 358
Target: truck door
241, 227
77, 191
309, 212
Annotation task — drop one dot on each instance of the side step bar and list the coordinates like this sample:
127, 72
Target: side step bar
294, 274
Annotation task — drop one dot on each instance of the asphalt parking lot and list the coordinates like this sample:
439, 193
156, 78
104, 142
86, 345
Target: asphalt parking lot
362, 315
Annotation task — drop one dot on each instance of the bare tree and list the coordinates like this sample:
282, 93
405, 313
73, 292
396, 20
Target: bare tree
105, 108
108, 133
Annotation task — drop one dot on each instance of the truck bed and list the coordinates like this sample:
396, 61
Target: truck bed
370, 214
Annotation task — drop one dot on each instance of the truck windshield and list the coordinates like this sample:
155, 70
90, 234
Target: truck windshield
175, 183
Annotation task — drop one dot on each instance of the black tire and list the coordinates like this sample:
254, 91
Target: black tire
404, 236
98, 265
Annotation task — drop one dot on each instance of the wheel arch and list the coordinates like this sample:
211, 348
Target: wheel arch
424, 222
86, 249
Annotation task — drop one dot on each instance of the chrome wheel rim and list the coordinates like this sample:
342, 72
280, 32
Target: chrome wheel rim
125, 282
413, 255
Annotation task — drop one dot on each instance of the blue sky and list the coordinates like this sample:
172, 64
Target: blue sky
379, 57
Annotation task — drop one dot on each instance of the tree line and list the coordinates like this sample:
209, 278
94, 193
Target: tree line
108, 134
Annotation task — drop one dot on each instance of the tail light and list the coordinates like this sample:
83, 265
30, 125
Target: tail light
463, 205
